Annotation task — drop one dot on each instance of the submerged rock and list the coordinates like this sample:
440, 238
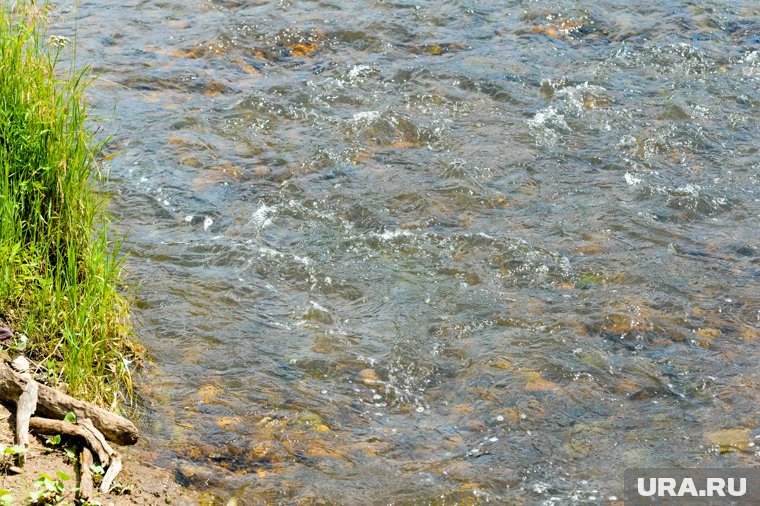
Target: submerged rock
462, 409
536, 383
370, 378
227, 422
559, 28
302, 49
308, 418
502, 363
208, 393
729, 440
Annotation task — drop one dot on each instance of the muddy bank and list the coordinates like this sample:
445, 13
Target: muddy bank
142, 484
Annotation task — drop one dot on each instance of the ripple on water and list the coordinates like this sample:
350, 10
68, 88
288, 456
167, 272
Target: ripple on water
437, 253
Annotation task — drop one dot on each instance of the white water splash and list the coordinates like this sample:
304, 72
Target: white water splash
273, 253
631, 179
318, 307
262, 217
392, 234
358, 71
366, 116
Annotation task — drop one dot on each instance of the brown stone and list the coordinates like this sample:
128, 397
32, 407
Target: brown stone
729, 440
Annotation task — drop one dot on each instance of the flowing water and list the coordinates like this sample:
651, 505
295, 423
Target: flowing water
453, 252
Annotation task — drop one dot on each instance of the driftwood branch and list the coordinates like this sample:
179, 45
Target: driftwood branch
94, 425
88, 427
51, 427
25, 407
92, 438
27, 404
113, 470
86, 486
54, 404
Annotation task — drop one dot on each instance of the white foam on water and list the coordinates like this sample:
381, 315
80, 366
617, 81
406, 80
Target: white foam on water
366, 116
576, 95
270, 252
262, 217
207, 222
358, 71
543, 116
720, 201
631, 179
312, 211
690, 189
546, 122
273, 253
392, 234
302, 260
318, 307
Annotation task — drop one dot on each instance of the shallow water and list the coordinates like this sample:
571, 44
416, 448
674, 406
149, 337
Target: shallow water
445, 252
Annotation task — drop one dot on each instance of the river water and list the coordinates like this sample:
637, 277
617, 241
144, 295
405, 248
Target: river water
453, 252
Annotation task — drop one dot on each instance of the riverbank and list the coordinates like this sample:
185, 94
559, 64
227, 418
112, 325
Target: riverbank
61, 281
139, 484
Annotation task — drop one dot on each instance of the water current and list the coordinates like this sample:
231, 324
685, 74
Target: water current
451, 252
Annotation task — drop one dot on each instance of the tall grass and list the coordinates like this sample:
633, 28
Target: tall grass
60, 276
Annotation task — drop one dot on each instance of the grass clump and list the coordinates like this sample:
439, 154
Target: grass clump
60, 276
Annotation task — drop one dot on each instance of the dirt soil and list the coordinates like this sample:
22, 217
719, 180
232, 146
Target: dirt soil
145, 485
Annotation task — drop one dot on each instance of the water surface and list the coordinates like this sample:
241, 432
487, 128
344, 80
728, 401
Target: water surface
448, 252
